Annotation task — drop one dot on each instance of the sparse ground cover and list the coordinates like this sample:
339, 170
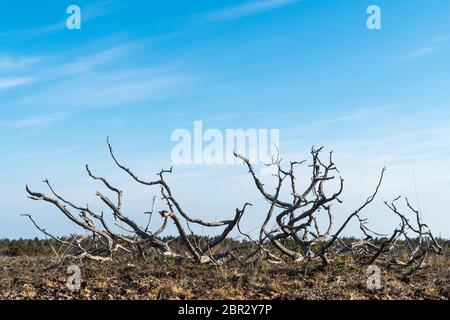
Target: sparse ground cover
34, 278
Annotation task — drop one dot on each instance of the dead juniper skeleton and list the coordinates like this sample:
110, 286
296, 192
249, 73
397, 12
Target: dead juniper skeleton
416, 238
297, 218
297, 235
103, 241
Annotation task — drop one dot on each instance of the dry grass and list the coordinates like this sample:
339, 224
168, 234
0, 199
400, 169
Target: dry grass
29, 278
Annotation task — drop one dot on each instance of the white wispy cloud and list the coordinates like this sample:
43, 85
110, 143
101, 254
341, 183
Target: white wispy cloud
8, 63
67, 85
106, 89
11, 82
34, 32
247, 9
437, 43
89, 62
34, 121
419, 53
441, 39
356, 115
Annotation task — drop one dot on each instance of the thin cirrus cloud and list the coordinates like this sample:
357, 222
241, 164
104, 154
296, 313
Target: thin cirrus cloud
8, 63
437, 43
394, 143
246, 9
67, 87
90, 62
35, 121
12, 82
103, 90
420, 53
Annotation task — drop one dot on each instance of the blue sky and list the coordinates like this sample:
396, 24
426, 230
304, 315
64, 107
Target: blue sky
137, 71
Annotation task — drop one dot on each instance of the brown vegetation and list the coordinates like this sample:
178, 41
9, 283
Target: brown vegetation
30, 278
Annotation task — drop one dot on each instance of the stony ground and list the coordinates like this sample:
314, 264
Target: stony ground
34, 278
